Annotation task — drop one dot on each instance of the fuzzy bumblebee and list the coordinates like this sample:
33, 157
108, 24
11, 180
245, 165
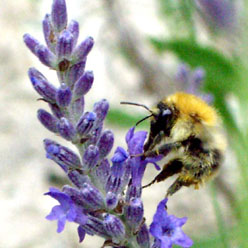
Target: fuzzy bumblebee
188, 128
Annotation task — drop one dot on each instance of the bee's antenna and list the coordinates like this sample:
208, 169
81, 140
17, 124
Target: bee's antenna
143, 119
137, 104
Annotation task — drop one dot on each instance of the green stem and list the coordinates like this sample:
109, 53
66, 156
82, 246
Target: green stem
220, 222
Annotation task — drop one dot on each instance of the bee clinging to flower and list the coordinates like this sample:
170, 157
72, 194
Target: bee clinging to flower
188, 128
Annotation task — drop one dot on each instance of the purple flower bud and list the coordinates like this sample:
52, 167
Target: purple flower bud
63, 96
47, 120
64, 45
75, 195
127, 172
41, 85
77, 178
114, 227
86, 123
114, 184
45, 55
102, 172
48, 32
134, 213
92, 197
66, 129
143, 237
90, 158
83, 84
198, 77
75, 72
73, 27
30, 42
59, 15
95, 226
77, 108
105, 143
61, 154
133, 191
183, 74
111, 200
56, 110
118, 159
101, 109
81, 233
95, 135
83, 49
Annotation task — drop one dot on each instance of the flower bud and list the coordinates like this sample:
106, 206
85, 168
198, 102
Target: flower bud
75, 72
114, 227
95, 226
48, 120
111, 200
59, 15
83, 84
64, 45
95, 135
66, 129
48, 32
45, 56
102, 172
86, 123
118, 159
77, 178
101, 110
61, 155
63, 96
41, 85
56, 110
83, 49
134, 213
114, 184
198, 76
73, 27
105, 143
143, 237
77, 108
90, 158
30, 42
134, 191
92, 197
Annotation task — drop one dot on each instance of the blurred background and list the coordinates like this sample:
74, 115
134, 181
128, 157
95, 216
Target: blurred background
144, 50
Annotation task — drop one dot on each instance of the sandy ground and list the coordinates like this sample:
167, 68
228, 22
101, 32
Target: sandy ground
24, 169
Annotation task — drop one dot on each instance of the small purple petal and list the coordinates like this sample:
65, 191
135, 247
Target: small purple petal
63, 96
30, 42
83, 49
81, 233
47, 120
73, 27
59, 15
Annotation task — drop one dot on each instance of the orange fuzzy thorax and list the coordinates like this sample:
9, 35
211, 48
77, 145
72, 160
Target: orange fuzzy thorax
191, 105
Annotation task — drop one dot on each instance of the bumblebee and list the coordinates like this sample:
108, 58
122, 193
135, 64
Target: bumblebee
188, 128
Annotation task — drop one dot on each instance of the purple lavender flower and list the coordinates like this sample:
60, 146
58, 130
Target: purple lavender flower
66, 211
166, 229
219, 14
192, 81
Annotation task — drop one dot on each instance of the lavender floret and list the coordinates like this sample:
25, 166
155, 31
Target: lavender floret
47, 120
63, 96
59, 15
66, 129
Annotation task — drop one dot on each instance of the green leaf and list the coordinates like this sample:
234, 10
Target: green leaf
123, 119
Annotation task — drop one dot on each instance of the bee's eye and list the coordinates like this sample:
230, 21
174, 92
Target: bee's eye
166, 112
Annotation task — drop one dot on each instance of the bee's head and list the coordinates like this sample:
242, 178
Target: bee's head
162, 119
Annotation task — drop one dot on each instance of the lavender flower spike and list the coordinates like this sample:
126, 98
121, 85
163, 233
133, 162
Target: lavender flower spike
105, 198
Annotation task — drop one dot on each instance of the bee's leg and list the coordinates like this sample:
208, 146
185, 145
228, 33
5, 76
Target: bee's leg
162, 150
177, 185
169, 169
